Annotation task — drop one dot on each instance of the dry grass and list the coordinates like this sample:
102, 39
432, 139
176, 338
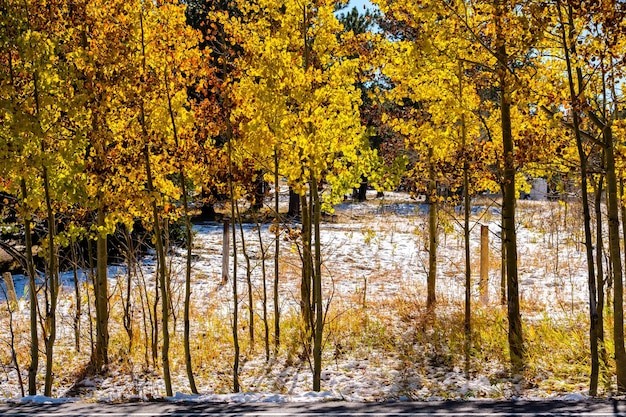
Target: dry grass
401, 328
396, 332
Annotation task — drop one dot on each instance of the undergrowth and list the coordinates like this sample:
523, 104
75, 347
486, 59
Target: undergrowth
425, 344
407, 349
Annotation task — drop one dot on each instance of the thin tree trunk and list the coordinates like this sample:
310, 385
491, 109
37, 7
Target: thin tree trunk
244, 251
616, 260
100, 357
99, 348
593, 314
516, 341
266, 327
50, 329
168, 267
236, 386
148, 319
432, 232
32, 293
189, 242
308, 210
11, 304
127, 301
77, 307
162, 279
361, 193
294, 204
186, 313
484, 265
92, 278
157, 278
623, 214
600, 268
317, 288
276, 253
156, 220
53, 275
101, 299
307, 270
259, 192
467, 324
503, 298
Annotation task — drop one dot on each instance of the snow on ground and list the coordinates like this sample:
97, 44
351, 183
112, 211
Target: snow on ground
373, 252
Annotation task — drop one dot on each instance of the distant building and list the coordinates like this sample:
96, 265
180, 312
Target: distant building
539, 189
555, 188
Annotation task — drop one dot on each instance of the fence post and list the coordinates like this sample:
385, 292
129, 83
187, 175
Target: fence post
8, 280
484, 264
225, 251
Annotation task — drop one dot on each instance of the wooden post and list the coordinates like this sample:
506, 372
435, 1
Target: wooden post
225, 252
8, 280
484, 264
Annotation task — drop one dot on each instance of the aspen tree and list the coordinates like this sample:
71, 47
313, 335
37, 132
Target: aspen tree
12, 148
42, 141
590, 43
296, 97
494, 37
567, 39
104, 65
167, 51
423, 66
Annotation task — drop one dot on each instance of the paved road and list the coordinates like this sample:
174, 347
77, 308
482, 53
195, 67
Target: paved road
598, 408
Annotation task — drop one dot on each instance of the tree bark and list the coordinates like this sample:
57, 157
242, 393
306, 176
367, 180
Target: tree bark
294, 204
361, 192
52, 280
189, 242
484, 264
593, 314
276, 252
101, 358
259, 192
467, 322
600, 268
503, 297
127, 302
32, 294
236, 385
468, 269
432, 233
78, 305
207, 211
244, 251
162, 274
266, 328
187, 308
317, 289
516, 341
307, 270
50, 329
615, 259
156, 224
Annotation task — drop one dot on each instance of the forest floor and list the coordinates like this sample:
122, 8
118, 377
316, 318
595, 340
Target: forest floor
380, 342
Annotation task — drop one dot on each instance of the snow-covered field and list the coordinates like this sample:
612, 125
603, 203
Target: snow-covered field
375, 264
